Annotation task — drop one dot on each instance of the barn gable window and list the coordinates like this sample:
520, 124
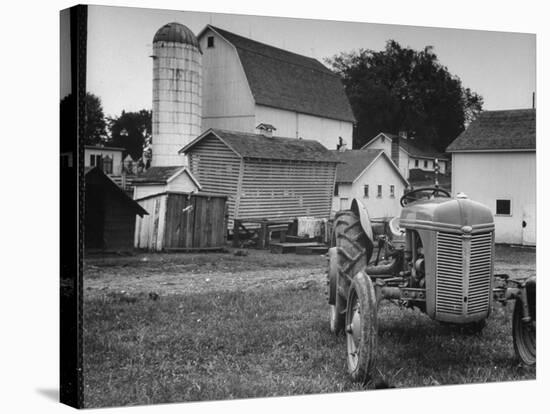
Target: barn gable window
379, 193
504, 207
210, 41
416, 163
425, 163
392, 191
336, 189
366, 191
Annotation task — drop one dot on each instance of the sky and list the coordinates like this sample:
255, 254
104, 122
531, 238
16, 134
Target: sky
500, 66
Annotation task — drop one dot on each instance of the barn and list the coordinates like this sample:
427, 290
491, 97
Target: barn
246, 83
494, 162
368, 175
264, 177
109, 214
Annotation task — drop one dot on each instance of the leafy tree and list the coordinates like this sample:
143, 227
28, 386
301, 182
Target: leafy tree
131, 131
401, 89
95, 128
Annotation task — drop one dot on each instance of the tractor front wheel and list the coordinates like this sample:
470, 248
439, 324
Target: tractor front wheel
361, 328
524, 335
335, 300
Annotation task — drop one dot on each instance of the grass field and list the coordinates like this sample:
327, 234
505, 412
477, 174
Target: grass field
262, 333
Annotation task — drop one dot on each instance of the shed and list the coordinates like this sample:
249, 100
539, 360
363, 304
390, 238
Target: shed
160, 179
181, 221
109, 214
264, 177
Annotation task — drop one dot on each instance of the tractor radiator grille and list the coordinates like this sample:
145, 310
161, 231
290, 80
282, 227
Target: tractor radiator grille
479, 283
450, 274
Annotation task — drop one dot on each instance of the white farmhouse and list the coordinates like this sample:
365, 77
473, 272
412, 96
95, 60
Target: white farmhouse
247, 83
370, 176
108, 159
494, 162
406, 155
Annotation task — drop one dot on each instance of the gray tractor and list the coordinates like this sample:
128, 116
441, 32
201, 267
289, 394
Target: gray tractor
438, 256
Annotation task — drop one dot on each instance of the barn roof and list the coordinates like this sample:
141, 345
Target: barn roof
355, 162
499, 130
162, 175
282, 79
96, 176
247, 145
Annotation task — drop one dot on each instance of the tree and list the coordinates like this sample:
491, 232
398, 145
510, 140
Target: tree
401, 89
95, 126
131, 131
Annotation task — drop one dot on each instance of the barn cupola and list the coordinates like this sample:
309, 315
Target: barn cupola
266, 130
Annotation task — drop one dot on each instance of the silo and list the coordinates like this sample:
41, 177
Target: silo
177, 80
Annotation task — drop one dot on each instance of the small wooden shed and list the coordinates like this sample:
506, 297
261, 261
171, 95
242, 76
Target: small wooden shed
109, 214
181, 221
264, 177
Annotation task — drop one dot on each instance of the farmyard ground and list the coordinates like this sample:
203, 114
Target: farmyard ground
185, 327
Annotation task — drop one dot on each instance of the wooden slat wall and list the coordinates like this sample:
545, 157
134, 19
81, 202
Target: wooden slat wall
150, 228
168, 226
217, 169
286, 189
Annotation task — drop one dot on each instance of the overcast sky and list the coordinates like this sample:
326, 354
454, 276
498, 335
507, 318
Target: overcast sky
498, 65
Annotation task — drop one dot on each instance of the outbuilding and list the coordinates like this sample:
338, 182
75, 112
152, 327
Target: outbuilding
264, 177
494, 162
161, 179
109, 214
368, 175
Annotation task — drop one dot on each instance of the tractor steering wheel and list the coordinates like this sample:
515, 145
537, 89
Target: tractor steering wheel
411, 195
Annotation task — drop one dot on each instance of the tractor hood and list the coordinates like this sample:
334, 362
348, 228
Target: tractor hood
455, 215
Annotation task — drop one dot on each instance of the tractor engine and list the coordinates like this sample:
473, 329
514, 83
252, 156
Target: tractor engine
449, 253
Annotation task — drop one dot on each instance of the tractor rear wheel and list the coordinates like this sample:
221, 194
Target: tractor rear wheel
335, 300
524, 335
354, 246
361, 328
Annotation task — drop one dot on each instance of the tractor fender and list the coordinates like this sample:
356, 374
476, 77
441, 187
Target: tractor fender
359, 209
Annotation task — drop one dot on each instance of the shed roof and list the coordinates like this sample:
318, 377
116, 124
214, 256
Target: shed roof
499, 130
162, 175
355, 162
96, 175
247, 145
282, 79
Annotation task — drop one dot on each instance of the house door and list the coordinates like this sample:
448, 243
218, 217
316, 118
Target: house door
529, 230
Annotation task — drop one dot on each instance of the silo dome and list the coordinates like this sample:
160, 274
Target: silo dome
176, 33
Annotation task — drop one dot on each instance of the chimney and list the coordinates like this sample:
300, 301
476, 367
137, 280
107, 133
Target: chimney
266, 130
395, 147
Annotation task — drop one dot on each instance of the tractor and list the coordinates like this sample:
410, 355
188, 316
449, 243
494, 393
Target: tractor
437, 256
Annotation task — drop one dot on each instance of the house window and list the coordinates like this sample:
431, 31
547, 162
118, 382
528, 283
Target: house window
335, 189
392, 191
425, 163
504, 208
95, 160
379, 194
108, 165
416, 163
210, 41
366, 191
